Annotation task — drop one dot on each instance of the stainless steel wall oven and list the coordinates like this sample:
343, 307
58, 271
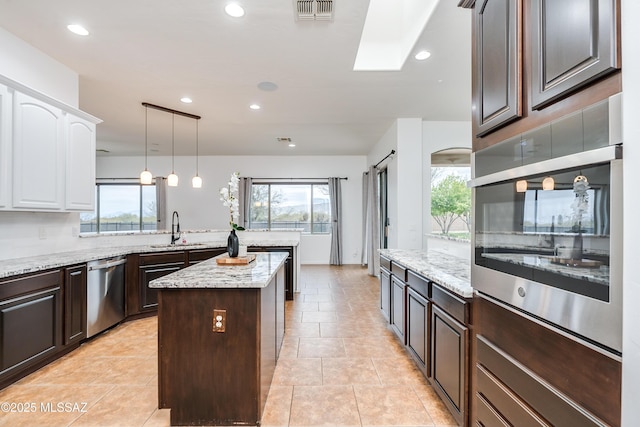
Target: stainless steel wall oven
547, 241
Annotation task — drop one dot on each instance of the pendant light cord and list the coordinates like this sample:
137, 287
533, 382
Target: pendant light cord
197, 153
146, 113
173, 121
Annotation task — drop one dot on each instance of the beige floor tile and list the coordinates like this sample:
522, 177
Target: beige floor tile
390, 405
396, 370
436, 408
290, 372
346, 371
321, 347
302, 329
374, 346
160, 418
319, 316
324, 406
123, 405
278, 408
318, 298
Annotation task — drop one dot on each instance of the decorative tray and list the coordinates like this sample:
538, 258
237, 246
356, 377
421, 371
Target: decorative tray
241, 260
569, 262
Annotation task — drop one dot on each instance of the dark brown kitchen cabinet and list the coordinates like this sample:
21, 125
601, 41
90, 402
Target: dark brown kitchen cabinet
385, 293
398, 304
289, 265
75, 304
418, 312
198, 255
449, 359
498, 70
154, 266
31, 319
529, 373
572, 43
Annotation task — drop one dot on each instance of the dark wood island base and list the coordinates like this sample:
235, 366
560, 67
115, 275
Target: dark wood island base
210, 377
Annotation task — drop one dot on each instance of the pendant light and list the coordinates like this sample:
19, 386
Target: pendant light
172, 179
548, 183
145, 175
196, 181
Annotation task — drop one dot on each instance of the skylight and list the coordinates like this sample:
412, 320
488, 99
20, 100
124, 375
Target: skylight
390, 32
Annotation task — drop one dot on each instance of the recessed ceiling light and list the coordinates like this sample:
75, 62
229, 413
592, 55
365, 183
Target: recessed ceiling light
267, 86
254, 106
292, 145
234, 10
186, 100
78, 29
422, 55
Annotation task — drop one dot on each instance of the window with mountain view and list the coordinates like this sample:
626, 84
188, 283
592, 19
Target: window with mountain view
279, 206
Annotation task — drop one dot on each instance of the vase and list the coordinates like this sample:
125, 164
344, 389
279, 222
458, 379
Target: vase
233, 244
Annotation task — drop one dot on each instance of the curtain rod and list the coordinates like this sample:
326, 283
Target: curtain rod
275, 179
385, 158
169, 110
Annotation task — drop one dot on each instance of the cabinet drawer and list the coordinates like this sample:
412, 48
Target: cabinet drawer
399, 271
385, 263
454, 306
541, 397
162, 258
418, 284
500, 399
487, 415
26, 284
204, 254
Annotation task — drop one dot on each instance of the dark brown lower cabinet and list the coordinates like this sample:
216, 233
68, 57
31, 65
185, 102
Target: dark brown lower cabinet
398, 303
449, 358
385, 293
289, 265
154, 266
31, 313
527, 373
75, 304
199, 255
418, 319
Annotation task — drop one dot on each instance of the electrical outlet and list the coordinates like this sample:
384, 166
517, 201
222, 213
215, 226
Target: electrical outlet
219, 320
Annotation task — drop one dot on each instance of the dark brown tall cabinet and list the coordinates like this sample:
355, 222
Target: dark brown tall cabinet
498, 72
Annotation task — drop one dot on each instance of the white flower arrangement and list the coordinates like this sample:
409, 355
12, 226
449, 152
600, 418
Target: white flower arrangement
229, 198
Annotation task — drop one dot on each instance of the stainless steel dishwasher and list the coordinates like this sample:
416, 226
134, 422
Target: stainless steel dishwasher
105, 294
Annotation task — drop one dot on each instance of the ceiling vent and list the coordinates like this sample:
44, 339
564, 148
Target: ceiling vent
314, 10
283, 139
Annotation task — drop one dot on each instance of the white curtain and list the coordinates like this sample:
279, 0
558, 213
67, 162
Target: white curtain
244, 199
161, 202
370, 221
335, 198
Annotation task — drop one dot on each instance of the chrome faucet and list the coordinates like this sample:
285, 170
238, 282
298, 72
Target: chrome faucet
175, 228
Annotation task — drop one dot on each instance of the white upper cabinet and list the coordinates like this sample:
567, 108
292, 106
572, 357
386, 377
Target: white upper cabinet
38, 154
5, 146
47, 152
80, 164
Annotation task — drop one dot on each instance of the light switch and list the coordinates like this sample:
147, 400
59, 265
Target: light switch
219, 320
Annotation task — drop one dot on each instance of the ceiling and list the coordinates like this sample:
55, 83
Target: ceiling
158, 51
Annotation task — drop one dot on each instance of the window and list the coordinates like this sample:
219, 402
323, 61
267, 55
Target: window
121, 207
304, 206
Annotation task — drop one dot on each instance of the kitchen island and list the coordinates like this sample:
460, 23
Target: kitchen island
220, 329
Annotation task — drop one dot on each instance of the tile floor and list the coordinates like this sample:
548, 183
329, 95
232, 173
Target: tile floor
339, 366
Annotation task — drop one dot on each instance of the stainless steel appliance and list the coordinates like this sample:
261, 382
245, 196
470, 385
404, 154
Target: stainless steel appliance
105, 294
547, 228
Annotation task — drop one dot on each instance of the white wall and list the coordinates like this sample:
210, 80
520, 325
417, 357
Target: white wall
25, 64
202, 209
409, 189
438, 136
631, 225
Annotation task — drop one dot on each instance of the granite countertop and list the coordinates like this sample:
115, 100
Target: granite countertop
17, 266
208, 274
448, 271
540, 262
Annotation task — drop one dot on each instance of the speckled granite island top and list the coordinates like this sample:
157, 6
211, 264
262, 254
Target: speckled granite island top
448, 271
208, 274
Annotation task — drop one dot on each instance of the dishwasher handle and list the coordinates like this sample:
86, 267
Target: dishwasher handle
106, 265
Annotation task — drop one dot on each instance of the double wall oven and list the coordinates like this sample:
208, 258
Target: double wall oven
547, 238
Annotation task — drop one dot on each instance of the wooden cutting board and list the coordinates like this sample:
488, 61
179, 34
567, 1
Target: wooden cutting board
241, 260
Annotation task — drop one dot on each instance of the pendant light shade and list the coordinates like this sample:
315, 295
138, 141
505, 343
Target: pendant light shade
521, 186
196, 181
172, 180
145, 176
548, 183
